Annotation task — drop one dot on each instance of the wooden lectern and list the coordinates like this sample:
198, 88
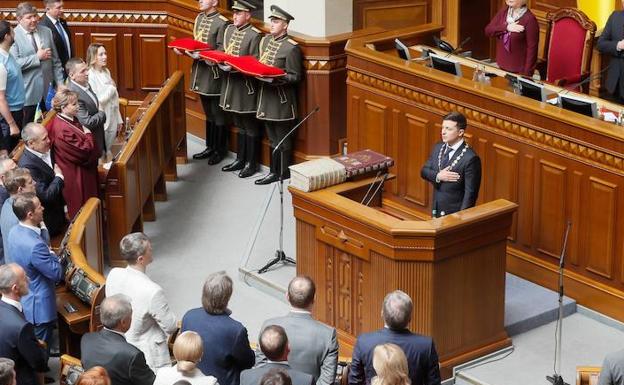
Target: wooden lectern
452, 267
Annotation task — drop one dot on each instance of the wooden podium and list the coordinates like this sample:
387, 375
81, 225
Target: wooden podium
453, 268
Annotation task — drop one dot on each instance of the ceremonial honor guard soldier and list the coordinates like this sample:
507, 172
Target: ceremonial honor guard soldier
277, 102
239, 92
453, 168
206, 80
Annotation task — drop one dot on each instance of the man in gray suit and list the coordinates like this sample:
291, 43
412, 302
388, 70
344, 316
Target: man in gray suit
35, 53
313, 345
274, 345
89, 113
612, 372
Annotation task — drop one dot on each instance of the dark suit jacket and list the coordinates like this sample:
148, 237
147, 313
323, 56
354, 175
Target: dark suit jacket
450, 197
49, 190
607, 43
18, 342
89, 114
226, 345
59, 41
422, 358
253, 376
124, 363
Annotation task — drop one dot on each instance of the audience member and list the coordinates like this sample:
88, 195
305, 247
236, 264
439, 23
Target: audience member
611, 44
89, 113
35, 53
420, 350
612, 372
74, 151
39, 160
313, 345
53, 19
390, 365
124, 363
276, 377
12, 92
274, 345
105, 89
188, 349
226, 345
17, 181
7, 372
6, 164
152, 320
17, 336
31, 251
97, 375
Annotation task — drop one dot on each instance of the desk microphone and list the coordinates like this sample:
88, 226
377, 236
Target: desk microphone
381, 183
585, 81
459, 47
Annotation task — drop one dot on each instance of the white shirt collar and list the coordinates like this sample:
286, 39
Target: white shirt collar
84, 88
456, 145
301, 311
37, 153
13, 303
33, 228
3, 52
24, 29
115, 331
53, 19
277, 362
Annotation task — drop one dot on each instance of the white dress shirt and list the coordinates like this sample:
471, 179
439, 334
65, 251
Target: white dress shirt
13, 303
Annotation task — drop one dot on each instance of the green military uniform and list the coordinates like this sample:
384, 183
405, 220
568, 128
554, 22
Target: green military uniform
206, 81
239, 94
277, 102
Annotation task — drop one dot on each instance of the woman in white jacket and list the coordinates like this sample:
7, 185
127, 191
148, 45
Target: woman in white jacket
106, 91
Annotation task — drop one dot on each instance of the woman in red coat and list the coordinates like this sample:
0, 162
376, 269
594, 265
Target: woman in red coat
517, 37
74, 151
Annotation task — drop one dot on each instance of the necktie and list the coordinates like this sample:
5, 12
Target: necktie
446, 159
61, 32
33, 41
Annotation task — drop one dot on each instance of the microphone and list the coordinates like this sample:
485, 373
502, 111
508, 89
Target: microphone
381, 183
459, 47
585, 81
314, 111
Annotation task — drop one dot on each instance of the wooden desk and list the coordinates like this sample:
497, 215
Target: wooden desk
452, 267
557, 165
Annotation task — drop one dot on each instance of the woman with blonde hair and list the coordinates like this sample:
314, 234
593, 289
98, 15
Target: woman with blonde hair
105, 89
390, 365
97, 375
75, 151
188, 350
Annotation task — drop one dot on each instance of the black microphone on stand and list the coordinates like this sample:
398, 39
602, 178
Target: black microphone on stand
280, 256
459, 47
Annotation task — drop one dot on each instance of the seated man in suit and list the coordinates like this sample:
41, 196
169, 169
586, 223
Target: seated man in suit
18, 181
29, 249
108, 348
420, 351
453, 168
274, 345
313, 345
152, 320
226, 346
53, 19
39, 160
17, 336
89, 113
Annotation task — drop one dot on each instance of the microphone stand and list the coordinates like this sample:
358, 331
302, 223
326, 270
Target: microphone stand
556, 378
280, 256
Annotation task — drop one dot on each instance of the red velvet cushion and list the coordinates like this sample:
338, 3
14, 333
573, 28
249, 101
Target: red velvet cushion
188, 44
215, 56
249, 65
565, 52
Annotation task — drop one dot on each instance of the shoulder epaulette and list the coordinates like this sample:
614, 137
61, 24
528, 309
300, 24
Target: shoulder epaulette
223, 18
255, 29
291, 41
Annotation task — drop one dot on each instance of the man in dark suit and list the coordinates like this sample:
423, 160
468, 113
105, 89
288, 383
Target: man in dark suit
39, 160
274, 345
17, 336
422, 358
313, 345
453, 168
108, 348
89, 113
226, 345
611, 43
53, 19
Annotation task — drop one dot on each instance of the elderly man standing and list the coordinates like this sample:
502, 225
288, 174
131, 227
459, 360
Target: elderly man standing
35, 52
39, 160
152, 320
226, 345
108, 348
17, 337
12, 92
422, 357
313, 345
28, 248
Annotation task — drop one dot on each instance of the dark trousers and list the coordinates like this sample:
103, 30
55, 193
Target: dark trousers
7, 141
276, 132
30, 111
247, 124
44, 332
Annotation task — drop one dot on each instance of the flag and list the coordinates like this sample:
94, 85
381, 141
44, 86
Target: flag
597, 10
49, 96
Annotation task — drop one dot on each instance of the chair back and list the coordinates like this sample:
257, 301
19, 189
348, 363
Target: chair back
71, 369
569, 46
587, 375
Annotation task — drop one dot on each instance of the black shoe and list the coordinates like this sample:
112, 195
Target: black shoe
251, 156
239, 162
215, 158
204, 154
273, 175
220, 145
268, 179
